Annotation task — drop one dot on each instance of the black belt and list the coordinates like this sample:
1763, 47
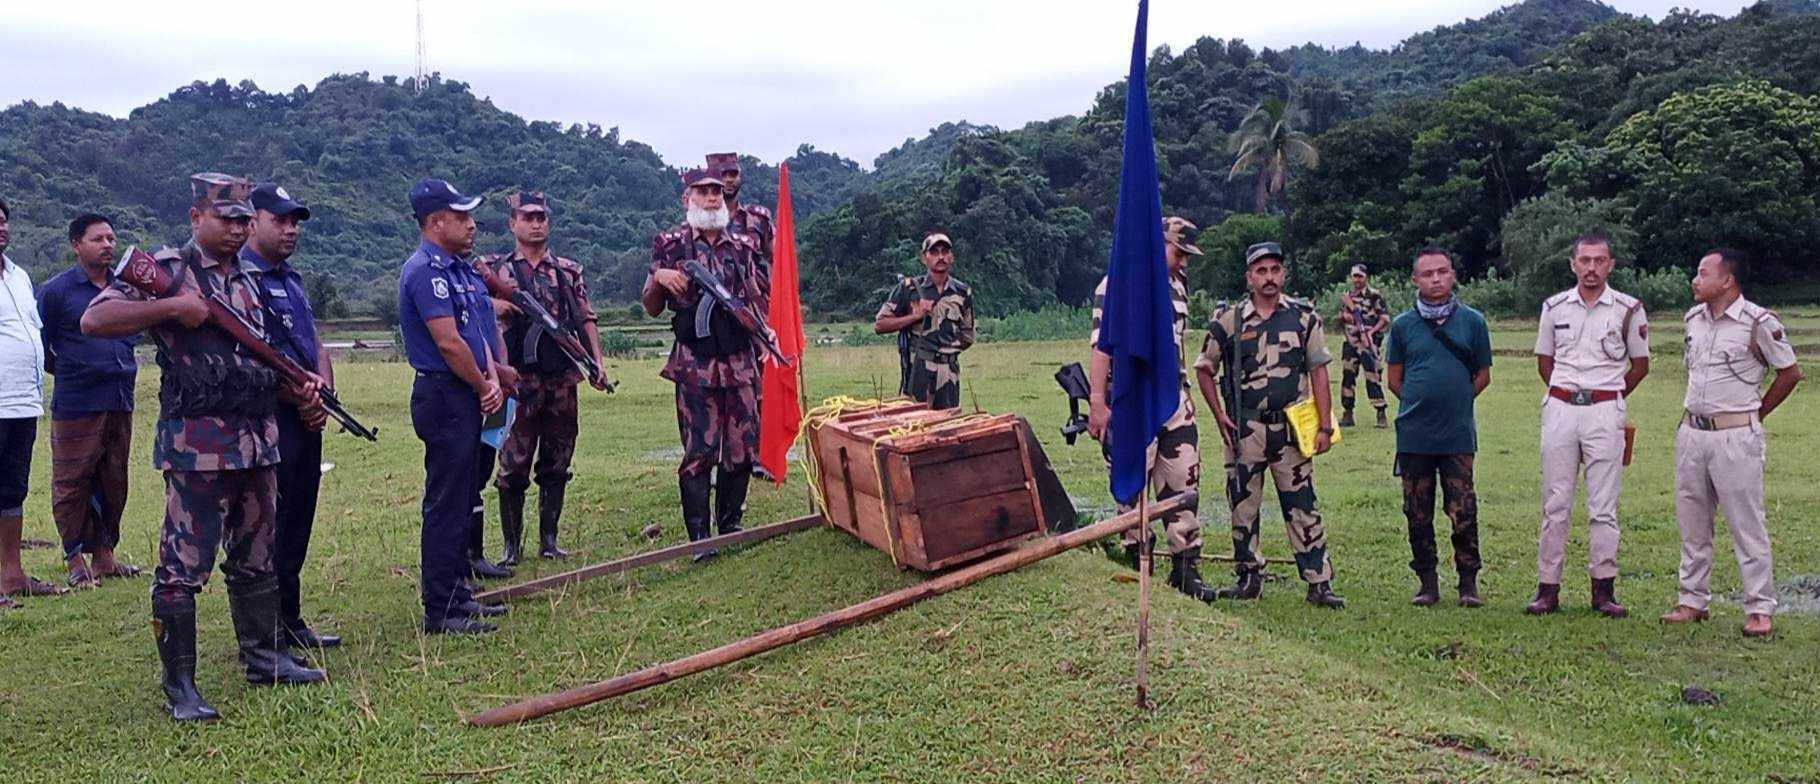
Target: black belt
1269, 417
437, 375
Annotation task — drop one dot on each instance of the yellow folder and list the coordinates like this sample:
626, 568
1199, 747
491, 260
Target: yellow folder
1303, 421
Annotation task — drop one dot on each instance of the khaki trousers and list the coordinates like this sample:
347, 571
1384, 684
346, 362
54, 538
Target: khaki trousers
1576, 437
1724, 469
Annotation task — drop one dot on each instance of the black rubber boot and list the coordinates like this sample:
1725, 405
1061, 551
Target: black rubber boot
264, 652
1605, 598
478, 564
1430, 593
1322, 595
1185, 575
174, 629
1250, 586
730, 500
549, 515
512, 524
1469, 590
696, 508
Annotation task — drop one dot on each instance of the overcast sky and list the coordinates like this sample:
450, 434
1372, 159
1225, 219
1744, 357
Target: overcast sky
855, 77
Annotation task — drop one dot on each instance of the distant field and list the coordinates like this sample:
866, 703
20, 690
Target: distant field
1026, 677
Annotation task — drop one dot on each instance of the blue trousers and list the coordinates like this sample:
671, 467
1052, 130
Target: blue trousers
445, 412
299, 480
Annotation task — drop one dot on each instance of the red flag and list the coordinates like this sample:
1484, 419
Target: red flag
781, 415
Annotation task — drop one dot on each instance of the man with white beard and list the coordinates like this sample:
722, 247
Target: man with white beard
715, 370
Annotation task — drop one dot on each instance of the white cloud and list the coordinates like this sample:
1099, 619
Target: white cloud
685, 77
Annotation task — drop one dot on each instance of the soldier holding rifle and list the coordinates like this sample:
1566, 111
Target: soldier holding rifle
1366, 318
933, 316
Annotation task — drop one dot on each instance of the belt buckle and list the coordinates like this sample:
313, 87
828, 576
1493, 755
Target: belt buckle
1582, 397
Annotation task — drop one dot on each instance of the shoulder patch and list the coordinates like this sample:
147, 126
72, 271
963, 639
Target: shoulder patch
1692, 312
440, 287
568, 263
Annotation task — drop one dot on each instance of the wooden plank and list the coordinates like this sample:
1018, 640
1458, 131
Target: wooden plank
659, 674
959, 480
629, 563
956, 528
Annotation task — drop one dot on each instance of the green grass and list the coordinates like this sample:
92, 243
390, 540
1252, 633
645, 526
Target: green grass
1026, 677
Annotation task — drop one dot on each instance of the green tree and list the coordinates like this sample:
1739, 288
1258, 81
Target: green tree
1538, 239
1267, 140
1220, 273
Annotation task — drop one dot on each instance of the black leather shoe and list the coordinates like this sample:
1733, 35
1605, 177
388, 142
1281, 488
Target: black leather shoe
1548, 599
302, 636
475, 609
486, 570
1185, 576
1322, 595
456, 624
1249, 586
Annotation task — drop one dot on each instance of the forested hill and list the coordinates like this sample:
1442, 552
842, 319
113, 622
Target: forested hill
1029, 208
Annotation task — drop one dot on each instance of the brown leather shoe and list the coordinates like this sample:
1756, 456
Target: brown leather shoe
1683, 614
1757, 625
1548, 599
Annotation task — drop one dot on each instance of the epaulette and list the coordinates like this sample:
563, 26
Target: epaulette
960, 285
666, 239
564, 261
756, 209
1557, 299
1299, 304
167, 253
1692, 312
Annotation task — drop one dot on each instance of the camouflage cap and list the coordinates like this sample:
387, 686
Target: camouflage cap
936, 238
528, 201
227, 195
1180, 233
1263, 250
698, 177
1359, 269
723, 162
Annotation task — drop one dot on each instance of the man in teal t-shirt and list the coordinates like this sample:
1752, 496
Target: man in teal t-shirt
1439, 356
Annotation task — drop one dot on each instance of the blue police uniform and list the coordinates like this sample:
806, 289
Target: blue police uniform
445, 412
290, 324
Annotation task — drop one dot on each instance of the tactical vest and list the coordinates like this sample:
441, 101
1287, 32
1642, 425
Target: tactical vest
529, 348
213, 382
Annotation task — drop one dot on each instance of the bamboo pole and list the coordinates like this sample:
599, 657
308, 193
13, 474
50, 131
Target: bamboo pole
777, 638
1143, 630
629, 563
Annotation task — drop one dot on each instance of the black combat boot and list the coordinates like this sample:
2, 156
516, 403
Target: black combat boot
1250, 586
1469, 590
1382, 421
730, 500
512, 524
266, 656
1548, 599
1605, 598
1185, 575
478, 565
1346, 418
1321, 595
174, 628
549, 514
1430, 593
696, 508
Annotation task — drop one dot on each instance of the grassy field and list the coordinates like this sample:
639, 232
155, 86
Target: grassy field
1026, 677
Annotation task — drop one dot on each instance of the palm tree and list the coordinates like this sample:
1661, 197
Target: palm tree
1268, 141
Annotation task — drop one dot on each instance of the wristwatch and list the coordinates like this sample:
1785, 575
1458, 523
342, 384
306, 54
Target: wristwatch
1326, 431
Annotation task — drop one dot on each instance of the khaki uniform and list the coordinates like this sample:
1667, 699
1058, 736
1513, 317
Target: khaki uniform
1592, 347
1274, 359
1175, 457
1719, 448
935, 343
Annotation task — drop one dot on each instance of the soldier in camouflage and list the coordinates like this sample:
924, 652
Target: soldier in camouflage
935, 311
547, 380
716, 374
215, 441
749, 220
1365, 317
1261, 356
1175, 459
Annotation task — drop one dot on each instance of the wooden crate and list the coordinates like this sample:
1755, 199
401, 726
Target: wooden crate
945, 488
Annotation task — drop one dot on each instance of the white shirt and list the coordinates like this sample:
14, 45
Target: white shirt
1592, 344
21, 345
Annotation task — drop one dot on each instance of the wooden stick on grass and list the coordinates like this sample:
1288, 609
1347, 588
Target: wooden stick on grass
777, 638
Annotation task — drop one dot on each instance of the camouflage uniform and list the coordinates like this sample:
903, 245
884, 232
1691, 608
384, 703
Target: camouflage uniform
547, 407
1175, 458
750, 220
716, 385
1275, 359
935, 343
217, 451
1367, 308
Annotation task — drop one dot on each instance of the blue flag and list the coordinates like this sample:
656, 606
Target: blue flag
1138, 326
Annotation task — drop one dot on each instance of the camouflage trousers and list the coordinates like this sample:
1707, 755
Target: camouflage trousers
1461, 503
935, 381
1175, 468
1271, 448
204, 510
546, 428
1352, 360
719, 427
88, 479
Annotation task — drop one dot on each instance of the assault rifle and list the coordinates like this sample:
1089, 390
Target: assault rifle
1073, 381
543, 323
903, 344
715, 294
139, 270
